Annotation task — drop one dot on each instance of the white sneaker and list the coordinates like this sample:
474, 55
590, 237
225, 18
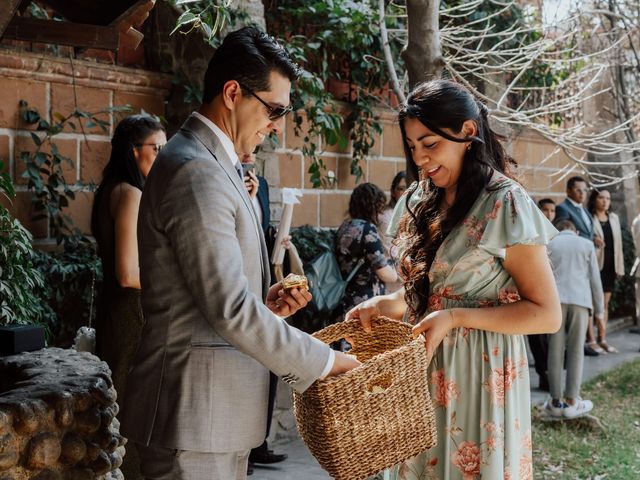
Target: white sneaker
554, 411
578, 409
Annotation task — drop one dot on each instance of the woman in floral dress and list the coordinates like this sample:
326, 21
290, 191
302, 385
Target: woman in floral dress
358, 240
477, 278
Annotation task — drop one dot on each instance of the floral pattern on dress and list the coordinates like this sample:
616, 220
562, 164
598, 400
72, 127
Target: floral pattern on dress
479, 380
358, 239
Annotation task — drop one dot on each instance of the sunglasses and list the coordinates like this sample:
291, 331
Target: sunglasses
274, 112
156, 146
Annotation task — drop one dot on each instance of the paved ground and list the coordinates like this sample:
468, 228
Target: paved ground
302, 466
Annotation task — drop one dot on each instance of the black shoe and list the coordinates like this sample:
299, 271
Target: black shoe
634, 329
267, 457
249, 469
544, 383
589, 351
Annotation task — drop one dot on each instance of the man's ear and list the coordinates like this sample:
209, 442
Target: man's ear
231, 93
469, 128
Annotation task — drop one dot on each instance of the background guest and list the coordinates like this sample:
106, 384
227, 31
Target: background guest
575, 270
610, 257
573, 209
359, 238
398, 187
135, 144
539, 343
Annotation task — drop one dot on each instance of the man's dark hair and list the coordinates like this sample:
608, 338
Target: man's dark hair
565, 224
573, 180
248, 56
545, 201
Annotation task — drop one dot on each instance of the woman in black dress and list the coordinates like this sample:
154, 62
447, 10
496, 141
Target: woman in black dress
610, 258
135, 144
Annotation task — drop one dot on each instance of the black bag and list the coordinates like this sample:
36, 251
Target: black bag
325, 279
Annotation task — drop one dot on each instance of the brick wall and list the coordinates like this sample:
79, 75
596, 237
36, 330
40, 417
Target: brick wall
46, 83
328, 207
541, 171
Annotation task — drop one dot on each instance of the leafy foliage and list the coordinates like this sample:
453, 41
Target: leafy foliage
72, 280
624, 291
19, 278
44, 166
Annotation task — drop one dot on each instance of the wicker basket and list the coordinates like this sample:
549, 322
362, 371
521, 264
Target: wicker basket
376, 415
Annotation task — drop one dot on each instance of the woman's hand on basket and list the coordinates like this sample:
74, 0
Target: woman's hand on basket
365, 312
343, 363
434, 327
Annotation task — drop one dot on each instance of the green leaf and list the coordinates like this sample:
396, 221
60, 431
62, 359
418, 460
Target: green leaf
36, 139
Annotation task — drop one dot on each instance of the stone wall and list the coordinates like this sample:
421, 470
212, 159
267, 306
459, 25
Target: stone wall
46, 82
57, 417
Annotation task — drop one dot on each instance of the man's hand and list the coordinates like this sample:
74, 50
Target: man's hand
251, 183
343, 363
286, 303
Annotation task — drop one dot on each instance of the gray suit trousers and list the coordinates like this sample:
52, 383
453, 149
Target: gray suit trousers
570, 336
158, 463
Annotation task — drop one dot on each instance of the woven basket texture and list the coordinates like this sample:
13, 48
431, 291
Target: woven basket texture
376, 415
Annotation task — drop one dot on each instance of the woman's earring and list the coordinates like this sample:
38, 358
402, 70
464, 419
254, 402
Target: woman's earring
469, 146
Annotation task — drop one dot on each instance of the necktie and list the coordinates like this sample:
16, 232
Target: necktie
239, 170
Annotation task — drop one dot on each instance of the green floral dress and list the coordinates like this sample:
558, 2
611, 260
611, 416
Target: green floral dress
479, 380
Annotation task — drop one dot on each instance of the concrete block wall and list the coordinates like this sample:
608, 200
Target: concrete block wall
47, 84
328, 207
541, 168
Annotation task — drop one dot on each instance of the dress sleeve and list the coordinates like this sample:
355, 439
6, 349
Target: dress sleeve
514, 220
373, 248
400, 208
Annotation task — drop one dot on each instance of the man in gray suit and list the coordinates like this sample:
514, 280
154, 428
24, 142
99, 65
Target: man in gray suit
197, 392
575, 269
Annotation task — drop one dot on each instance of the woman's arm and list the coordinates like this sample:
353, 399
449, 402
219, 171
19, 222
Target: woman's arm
391, 305
538, 310
387, 274
125, 203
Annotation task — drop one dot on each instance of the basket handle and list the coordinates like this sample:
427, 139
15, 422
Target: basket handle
340, 330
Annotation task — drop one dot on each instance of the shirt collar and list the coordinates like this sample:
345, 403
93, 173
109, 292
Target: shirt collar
575, 204
225, 141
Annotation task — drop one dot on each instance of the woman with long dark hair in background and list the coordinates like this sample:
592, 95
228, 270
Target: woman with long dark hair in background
476, 279
135, 144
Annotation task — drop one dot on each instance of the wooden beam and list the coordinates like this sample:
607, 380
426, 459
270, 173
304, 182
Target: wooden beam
62, 33
7, 11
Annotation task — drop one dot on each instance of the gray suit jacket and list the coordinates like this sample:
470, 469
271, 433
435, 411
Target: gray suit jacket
576, 272
201, 374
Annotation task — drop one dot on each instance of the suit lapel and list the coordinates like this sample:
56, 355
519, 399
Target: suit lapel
578, 214
208, 138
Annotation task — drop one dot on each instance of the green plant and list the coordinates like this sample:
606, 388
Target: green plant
623, 297
44, 166
19, 278
72, 279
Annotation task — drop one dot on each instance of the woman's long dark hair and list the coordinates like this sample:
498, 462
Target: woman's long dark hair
122, 166
401, 175
591, 203
367, 202
438, 105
